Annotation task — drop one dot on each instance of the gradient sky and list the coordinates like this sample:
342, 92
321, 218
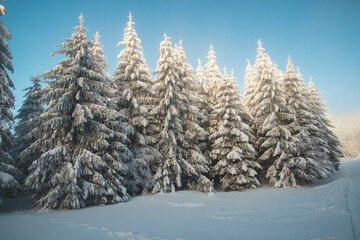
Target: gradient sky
321, 36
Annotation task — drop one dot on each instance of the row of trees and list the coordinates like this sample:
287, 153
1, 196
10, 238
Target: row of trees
102, 139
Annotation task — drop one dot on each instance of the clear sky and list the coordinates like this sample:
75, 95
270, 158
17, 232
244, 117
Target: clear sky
321, 36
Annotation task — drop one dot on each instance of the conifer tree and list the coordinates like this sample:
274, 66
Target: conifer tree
308, 168
135, 100
175, 171
195, 136
231, 150
326, 141
81, 141
271, 119
167, 113
9, 174
28, 113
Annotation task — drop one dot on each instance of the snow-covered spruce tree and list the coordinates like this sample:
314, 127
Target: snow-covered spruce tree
30, 110
9, 174
327, 141
231, 151
80, 139
168, 114
249, 86
134, 99
308, 167
271, 120
194, 135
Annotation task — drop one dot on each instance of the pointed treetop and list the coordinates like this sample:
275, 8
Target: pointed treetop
81, 18
310, 79
225, 71
199, 61
211, 53
298, 73
290, 66
165, 36
260, 48
232, 73
180, 43
130, 23
248, 61
97, 37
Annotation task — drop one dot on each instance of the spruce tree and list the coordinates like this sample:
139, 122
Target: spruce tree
174, 171
192, 118
81, 141
9, 174
271, 120
28, 116
308, 167
327, 141
232, 152
167, 113
134, 99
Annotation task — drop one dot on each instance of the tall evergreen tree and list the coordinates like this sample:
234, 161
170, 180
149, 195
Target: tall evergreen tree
271, 120
231, 150
327, 141
171, 102
175, 171
28, 113
135, 100
195, 136
308, 167
9, 174
81, 140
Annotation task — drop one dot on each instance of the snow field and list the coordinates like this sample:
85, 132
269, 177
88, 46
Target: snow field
329, 210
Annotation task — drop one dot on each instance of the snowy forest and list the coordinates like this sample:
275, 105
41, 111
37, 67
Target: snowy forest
83, 137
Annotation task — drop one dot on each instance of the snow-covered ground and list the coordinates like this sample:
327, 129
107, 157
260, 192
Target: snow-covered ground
329, 210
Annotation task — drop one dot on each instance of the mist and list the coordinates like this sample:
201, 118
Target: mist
347, 128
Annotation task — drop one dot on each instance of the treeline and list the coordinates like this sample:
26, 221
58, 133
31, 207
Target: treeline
102, 139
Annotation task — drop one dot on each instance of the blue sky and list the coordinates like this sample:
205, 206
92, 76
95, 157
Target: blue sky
321, 36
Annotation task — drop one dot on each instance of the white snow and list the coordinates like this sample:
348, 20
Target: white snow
328, 210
